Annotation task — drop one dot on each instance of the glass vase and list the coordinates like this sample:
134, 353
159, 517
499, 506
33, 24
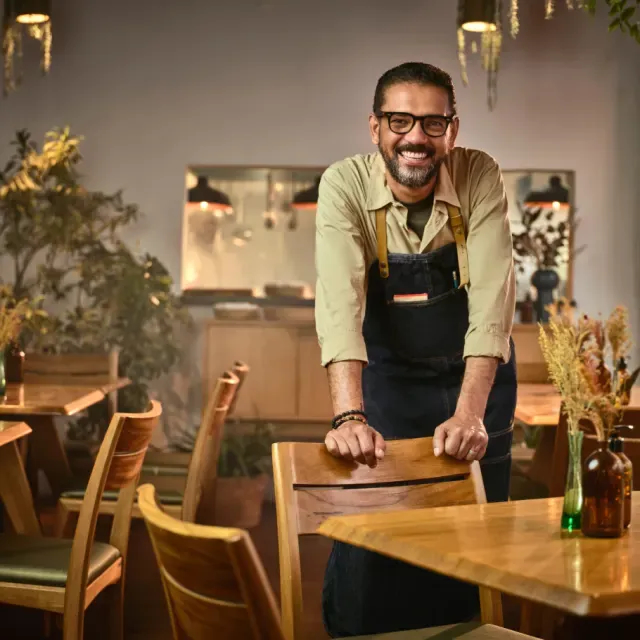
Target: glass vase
603, 487
572, 505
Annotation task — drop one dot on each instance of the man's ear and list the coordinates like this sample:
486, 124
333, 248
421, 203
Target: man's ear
374, 128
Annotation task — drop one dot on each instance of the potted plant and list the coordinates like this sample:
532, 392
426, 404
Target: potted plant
544, 244
12, 314
64, 243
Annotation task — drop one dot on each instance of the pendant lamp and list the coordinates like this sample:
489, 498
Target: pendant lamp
307, 198
24, 17
208, 197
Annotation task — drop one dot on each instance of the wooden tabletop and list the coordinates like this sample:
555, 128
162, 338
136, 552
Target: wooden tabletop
33, 398
10, 431
514, 547
539, 404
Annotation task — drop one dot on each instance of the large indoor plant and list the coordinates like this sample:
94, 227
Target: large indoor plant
64, 243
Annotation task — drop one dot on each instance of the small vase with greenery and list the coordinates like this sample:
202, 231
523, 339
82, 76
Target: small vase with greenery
12, 314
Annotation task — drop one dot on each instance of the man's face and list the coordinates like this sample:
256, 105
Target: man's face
413, 158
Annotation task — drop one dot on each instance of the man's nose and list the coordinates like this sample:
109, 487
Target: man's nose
417, 135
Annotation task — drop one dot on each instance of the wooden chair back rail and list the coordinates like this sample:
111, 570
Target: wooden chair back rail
311, 485
241, 370
127, 434
558, 474
199, 493
69, 367
215, 584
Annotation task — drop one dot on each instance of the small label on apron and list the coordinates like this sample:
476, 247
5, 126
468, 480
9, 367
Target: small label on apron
410, 297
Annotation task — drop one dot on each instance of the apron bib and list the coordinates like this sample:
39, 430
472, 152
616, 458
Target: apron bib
415, 325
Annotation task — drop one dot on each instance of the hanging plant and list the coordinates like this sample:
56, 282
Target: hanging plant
622, 14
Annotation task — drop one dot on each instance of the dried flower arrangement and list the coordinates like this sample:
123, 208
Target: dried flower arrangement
546, 243
578, 355
12, 314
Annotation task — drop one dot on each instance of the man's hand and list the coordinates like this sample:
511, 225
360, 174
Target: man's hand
463, 437
357, 441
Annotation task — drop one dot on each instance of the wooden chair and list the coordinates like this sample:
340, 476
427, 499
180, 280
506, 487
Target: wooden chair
69, 368
216, 586
558, 472
201, 475
214, 582
65, 576
309, 485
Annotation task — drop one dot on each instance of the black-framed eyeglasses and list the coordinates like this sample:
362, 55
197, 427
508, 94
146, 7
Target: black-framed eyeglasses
433, 125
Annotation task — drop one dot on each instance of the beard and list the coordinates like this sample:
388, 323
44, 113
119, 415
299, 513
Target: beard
411, 177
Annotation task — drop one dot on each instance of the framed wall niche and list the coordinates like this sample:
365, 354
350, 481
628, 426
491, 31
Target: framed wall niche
541, 201
248, 230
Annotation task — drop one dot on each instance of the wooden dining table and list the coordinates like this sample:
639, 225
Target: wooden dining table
38, 404
514, 547
15, 493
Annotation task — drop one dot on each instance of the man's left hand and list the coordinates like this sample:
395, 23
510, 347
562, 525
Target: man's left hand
463, 437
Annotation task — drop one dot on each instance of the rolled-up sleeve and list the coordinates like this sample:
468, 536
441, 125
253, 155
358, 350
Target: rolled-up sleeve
340, 266
491, 272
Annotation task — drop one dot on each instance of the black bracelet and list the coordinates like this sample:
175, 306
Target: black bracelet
340, 422
353, 412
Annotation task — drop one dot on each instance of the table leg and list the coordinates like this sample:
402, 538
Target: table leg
15, 492
47, 452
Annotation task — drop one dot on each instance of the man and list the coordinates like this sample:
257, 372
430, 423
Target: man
414, 305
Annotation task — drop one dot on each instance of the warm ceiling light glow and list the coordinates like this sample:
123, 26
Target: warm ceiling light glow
32, 18
478, 27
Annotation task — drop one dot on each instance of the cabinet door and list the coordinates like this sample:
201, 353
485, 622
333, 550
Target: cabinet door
314, 400
269, 391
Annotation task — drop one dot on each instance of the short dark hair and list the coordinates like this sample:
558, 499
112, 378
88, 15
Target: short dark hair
414, 73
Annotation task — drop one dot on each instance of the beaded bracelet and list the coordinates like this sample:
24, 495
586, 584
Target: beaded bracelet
350, 419
352, 412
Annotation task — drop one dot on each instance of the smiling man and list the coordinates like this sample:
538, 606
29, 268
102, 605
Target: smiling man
414, 307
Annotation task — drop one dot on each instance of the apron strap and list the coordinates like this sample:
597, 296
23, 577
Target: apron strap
381, 234
457, 225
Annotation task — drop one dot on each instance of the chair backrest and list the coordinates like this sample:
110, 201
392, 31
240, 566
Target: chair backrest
69, 368
309, 487
241, 370
199, 492
117, 466
215, 584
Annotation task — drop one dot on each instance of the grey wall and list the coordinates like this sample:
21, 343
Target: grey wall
154, 86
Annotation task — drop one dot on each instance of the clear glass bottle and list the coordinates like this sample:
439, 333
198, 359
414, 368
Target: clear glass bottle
573, 497
603, 490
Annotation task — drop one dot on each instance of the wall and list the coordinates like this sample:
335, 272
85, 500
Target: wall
155, 86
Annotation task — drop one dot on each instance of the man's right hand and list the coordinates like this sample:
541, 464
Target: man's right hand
354, 440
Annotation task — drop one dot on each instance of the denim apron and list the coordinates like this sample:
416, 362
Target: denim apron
410, 386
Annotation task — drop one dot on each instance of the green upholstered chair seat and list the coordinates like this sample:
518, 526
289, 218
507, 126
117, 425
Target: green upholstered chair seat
170, 498
45, 561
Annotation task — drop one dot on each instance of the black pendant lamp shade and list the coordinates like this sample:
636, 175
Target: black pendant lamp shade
30, 11
203, 192
307, 198
477, 15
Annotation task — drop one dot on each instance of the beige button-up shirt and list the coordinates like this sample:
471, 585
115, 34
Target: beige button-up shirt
353, 189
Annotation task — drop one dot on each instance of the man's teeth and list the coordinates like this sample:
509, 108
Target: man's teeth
414, 155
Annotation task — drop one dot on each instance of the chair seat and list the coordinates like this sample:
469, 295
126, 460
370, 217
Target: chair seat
45, 561
170, 498
466, 631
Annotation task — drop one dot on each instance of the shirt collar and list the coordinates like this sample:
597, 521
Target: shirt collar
379, 194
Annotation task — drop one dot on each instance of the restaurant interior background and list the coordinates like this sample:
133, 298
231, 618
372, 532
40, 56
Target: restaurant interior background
163, 91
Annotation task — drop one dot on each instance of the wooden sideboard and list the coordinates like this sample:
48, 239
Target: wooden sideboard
287, 382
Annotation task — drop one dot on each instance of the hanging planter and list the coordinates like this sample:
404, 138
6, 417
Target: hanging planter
24, 17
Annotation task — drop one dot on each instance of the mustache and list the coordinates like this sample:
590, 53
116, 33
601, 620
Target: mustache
417, 148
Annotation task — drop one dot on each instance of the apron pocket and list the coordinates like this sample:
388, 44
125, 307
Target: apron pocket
428, 329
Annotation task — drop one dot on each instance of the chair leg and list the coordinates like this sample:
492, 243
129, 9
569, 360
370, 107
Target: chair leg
73, 629
62, 522
116, 611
